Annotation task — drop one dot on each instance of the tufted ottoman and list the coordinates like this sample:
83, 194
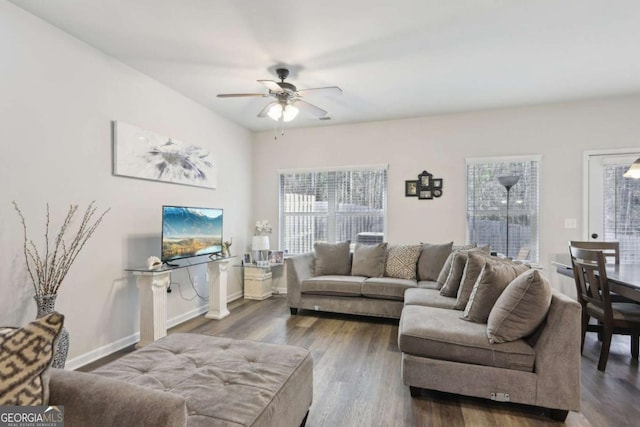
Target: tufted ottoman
225, 382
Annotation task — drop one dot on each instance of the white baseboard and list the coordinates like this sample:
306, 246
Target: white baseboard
280, 291
100, 352
105, 350
234, 296
187, 316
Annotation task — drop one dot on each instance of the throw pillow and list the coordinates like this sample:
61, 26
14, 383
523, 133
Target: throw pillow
432, 259
472, 270
446, 269
492, 281
401, 261
368, 260
450, 286
25, 356
332, 258
520, 309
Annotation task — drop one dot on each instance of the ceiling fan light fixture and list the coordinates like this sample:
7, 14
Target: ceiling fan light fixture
285, 112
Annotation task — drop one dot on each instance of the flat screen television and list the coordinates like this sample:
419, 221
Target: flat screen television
189, 232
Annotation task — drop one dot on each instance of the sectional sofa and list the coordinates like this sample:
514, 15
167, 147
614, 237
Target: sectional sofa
470, 323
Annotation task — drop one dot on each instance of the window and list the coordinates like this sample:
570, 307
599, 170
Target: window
332, 205
487, 205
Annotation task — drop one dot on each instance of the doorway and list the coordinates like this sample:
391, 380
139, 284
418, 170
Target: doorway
613, 202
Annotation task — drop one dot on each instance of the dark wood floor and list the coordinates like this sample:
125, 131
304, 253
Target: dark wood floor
357, 373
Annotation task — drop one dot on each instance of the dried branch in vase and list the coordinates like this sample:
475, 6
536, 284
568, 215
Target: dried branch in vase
49, 268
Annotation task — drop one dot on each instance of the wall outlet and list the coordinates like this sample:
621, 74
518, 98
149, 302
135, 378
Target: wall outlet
570, 223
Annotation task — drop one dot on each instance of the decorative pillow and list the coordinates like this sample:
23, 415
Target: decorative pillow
446, 269
464, 247
450, 286
332, 258
432, 259
472, 270
401, 261
493, 279
25, 356
520, 309
368, 260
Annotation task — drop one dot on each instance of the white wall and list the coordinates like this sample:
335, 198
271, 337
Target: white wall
560, 133
58, 97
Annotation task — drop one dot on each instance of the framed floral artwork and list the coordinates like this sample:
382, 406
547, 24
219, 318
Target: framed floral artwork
139, 153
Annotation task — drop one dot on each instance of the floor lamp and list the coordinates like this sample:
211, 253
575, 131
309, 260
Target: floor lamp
508, 182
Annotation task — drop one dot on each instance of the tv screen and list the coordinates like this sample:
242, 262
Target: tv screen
189, 232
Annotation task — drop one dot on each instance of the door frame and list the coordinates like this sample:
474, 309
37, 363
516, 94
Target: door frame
632, 151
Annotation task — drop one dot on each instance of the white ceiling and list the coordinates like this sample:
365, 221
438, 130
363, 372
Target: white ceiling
393, 59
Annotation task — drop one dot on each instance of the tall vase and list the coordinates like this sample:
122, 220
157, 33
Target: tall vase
46, 304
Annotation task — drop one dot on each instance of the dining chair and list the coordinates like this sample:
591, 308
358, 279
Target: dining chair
611, 250
592, 287
523, 254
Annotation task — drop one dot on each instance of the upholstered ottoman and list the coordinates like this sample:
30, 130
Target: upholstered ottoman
224, 382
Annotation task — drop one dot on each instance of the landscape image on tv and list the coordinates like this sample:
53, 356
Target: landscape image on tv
188, 232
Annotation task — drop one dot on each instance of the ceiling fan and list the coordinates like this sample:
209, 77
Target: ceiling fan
287, 98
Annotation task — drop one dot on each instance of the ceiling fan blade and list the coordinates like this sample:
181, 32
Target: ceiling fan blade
330, 90
310, 108
272, 86
239, 95
265, 110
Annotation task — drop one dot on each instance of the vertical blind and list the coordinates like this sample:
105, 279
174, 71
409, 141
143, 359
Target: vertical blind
621, 210
487, 205
332, 205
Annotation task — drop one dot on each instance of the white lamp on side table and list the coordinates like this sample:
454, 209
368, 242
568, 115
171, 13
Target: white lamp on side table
260, 247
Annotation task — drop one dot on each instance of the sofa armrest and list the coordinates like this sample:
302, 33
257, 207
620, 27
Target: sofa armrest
299, 268
94, 400
558, 355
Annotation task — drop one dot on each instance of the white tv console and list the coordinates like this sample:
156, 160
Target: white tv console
152, 287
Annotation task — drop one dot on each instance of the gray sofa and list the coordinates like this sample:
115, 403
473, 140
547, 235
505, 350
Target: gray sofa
353, 291
191, 380
478, 338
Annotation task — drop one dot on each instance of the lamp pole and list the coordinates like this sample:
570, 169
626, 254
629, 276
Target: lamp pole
507, 182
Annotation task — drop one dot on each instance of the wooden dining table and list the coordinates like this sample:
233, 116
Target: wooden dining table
624, 279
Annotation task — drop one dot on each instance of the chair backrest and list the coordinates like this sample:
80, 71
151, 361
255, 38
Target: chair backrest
611, 250
523, 254
591, 280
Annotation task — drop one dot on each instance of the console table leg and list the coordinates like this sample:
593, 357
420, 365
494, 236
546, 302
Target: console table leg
218, 290
152, 290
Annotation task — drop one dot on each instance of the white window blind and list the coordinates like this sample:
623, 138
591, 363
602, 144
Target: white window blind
621, 213
332, 205
487, 205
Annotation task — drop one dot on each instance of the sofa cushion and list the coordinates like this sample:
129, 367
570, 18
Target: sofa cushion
520, 308
427, 297
439, 333
333, 285
401, 261
432, 259
25, 356
368, 260
332, 258
493, 280
386, 287
429, 284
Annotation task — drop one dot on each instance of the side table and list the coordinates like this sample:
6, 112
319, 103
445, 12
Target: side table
257, 281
